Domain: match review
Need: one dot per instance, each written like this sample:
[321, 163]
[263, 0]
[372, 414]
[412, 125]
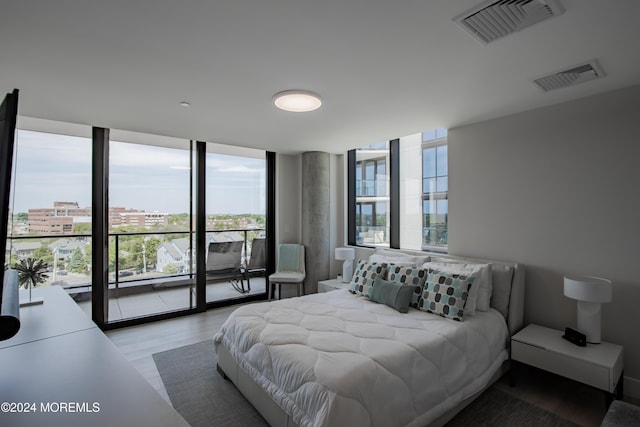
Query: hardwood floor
[139, 343]
[568, 399]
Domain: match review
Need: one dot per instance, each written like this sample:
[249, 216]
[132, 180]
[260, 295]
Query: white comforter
[334, 358]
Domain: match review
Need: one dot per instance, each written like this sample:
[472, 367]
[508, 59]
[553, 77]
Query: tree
[82, 228]
[170, 268]
[135, 249]
[77, 263]
[43, 253]
[151, 246]
[88, 253]
[112, 257]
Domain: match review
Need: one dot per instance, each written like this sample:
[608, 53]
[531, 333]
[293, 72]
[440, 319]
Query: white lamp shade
[343, 254]
[590, 292]
[588, 288]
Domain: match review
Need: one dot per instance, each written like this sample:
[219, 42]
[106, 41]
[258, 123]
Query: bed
[338, 358]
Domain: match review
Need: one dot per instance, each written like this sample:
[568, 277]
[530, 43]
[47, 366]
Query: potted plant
[31, 272]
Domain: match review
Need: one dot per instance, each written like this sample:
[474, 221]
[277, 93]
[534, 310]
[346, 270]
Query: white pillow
[480, 293]
[415, 259]
[396, 260]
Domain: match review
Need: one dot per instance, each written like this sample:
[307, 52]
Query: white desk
[58, 315]
[61, 362]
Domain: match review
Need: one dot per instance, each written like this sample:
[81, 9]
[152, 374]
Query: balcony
[149, 272]
[167, 299]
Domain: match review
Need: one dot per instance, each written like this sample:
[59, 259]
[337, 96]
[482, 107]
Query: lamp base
[347, 270]
[589, 320]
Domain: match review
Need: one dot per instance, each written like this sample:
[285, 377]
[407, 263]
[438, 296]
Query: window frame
[393, 207]
[436, 195]
[100, 141]
[391, 193]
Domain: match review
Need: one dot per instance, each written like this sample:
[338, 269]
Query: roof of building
[225, 236]
[171, 250]
[182, 244]
[25, 246]
[67, 244]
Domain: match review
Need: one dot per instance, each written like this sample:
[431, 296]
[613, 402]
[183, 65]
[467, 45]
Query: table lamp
[590, 292]
[347, 255]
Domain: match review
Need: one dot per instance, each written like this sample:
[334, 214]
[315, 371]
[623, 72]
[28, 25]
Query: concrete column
[316, 221]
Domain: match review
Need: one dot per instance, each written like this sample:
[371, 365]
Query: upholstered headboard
[513, 291]
[508, 279]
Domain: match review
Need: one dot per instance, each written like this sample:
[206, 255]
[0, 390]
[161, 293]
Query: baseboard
[631, 387]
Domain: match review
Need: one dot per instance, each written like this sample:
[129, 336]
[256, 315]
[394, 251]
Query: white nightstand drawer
[566, 366]
[332, 285]
[598, 365]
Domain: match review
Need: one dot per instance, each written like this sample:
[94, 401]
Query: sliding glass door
[150, 214]
[235, 222]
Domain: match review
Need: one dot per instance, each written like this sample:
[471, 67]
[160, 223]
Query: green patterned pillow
[415, 276]
[365, 275]
[445, 294]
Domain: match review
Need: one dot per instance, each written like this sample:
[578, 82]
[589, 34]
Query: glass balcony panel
[150, 227]
[236, 220]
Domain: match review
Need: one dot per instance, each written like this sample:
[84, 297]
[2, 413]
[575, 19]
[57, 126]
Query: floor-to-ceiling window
[150, 215]
[235, 222]
[51, 206]
[144, 191]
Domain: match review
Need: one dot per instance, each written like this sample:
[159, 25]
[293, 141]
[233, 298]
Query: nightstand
[332, 285]
[597, 365]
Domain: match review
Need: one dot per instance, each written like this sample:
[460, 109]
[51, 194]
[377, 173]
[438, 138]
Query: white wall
[557, 189]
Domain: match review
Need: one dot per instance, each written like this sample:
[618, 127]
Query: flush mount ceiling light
[185, 104]
[297, 101]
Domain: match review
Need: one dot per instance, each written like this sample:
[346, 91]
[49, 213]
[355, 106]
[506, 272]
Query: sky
[51, 167]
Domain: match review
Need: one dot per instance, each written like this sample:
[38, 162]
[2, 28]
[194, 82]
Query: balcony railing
[133, 261]
[372, 235]
[371, 188]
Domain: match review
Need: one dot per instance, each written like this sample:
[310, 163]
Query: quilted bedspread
[339, 359]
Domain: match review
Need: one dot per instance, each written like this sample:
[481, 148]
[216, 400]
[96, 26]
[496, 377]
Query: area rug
[497, 408]
[203, 398]
[199, 393]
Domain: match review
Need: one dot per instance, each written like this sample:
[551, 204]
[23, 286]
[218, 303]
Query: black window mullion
[100, 227]
[351, 197]
[201, 226]
[394, 194]
[271, 213]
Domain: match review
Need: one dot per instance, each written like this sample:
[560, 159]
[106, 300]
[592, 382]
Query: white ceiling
[384, 69]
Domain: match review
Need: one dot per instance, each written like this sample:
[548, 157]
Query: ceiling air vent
[571, 76]
[495, 19]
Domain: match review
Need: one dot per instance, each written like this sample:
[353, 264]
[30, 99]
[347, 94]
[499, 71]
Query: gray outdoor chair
[224, 262]
[257, 261]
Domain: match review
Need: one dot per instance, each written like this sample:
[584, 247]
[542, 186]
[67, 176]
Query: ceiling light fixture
[185, 104]
[297, 101]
